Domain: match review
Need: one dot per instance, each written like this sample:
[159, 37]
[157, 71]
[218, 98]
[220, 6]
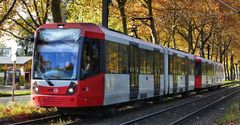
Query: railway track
[215, 99]
[53, 119]
[66, 117]
[39, 120]
[179, 121]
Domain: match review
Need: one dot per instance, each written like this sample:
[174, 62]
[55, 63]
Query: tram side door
[134, 71]
[187, 70]
[157, 59]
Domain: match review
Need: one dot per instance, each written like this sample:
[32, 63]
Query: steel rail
[38, 120]
[204, 108]
[172, 107]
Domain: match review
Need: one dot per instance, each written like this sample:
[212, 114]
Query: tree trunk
[232, 67]
[216, 56]
[212, 48]
[227, 69]
[202, 52]
[236, 71]
[208, 49]
[190, 39]
[26, 51]
[56, 11]
[152, 24]
[220, 55]
[121, 5]
[174, 25]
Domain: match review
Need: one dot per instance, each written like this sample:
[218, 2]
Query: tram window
[149, 59]
[157, 64]
[176, 65]
[112, 57]
[161, 63]
[123, 58]
[170, 64]
[117, 58]
[198, 68]
[183, 62]
[191, 68]
[179, 65]
[90, 57]
[203, 68]
[212, 67]
[143, 61]
[146, 61]
[207, 69]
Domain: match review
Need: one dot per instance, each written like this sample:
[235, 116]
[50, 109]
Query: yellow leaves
[85, 11]
[4, 67]
[28, 66]
[23, 110]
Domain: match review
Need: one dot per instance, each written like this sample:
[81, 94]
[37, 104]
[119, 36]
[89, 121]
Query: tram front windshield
[55, 54]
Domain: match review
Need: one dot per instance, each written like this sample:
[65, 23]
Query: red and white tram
[85, 65]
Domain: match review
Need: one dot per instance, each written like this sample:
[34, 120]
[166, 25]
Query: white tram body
[125, 68]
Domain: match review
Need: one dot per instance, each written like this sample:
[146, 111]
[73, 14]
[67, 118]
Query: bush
[22, 80]
[1, 80]
[231, 115]
[16, 93]
[20, 111]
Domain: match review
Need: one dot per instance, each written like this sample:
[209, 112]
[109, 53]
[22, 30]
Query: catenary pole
[105, 11]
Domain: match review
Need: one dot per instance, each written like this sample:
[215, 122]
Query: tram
[80, 65]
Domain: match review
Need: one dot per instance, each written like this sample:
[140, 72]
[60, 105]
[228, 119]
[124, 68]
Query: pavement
[5, 100]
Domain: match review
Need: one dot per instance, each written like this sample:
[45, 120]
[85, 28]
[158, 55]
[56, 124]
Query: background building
[24, 65]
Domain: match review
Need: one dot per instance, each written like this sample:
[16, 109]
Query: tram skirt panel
[181, 83]
[204, 81]
[191, 81]
[170, 82]
[117, 88]
[162, 84]
[146, 86]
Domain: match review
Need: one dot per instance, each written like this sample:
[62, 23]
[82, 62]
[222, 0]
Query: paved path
[5, 100]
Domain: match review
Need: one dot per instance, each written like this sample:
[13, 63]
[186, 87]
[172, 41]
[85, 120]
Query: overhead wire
[230, 7]
[191, 14]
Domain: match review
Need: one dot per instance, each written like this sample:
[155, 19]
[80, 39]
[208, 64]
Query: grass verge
[16, 93]
[21, 111]
[231, 115]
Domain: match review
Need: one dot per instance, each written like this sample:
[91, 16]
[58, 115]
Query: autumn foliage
[208, 28]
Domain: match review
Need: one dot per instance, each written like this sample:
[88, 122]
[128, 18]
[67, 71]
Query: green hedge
[2, 81]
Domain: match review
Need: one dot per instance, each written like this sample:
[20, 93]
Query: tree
[85, 11]
[56, 11]
[26, 45]
[24, 23]
[2, 45]
[151, 26]
[121, 7]
[8, 12]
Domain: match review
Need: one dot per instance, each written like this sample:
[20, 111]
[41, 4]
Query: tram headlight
[72, 88]
[36, 90]
[35, 87]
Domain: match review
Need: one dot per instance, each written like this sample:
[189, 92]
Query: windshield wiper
[44, 77]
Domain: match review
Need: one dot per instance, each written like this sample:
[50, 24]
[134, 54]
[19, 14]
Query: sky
[10, 42]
